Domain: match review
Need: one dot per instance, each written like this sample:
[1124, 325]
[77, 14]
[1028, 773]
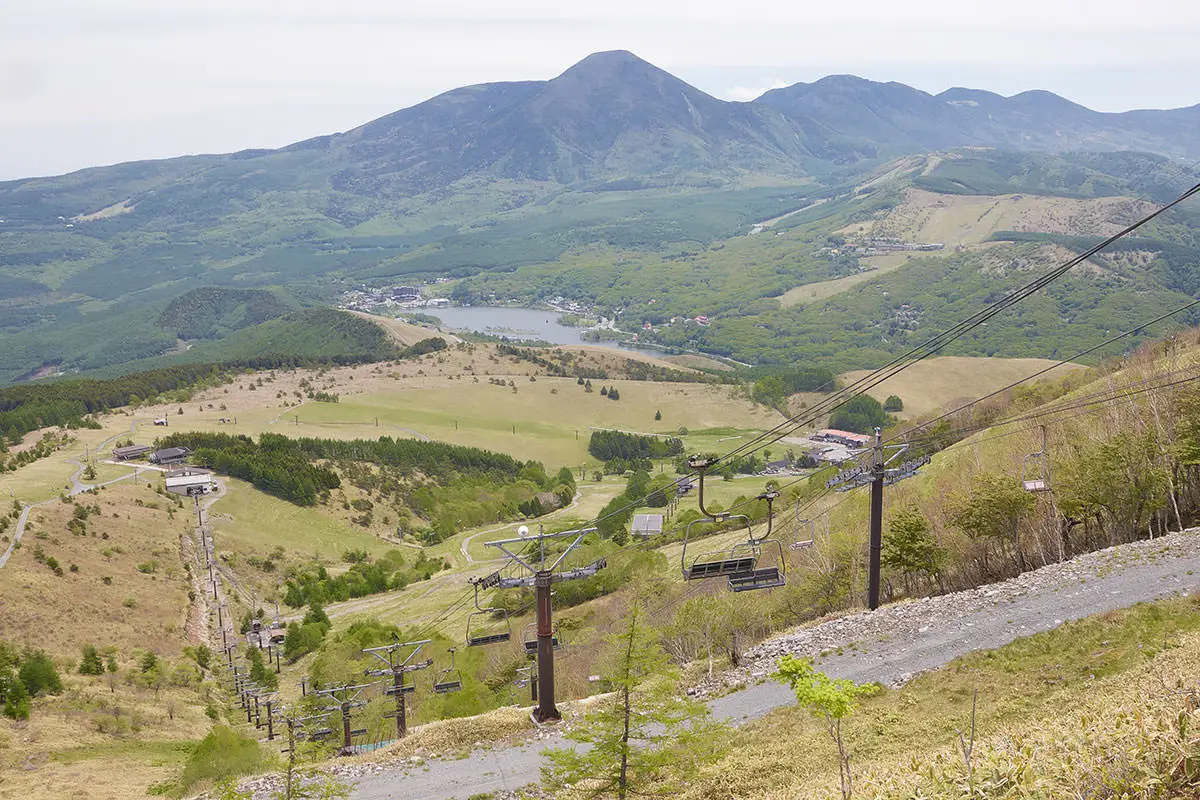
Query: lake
[519, 323]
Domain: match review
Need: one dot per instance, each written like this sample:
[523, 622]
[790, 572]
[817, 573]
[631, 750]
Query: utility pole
[541, 575]
[397, 669]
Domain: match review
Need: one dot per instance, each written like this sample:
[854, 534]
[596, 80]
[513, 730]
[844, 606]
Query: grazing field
[549, 420]
[249, 522]
[940, 382]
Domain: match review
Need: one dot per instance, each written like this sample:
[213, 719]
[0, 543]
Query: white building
[190, 481]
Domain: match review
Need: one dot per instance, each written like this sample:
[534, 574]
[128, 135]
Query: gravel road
[892, 645]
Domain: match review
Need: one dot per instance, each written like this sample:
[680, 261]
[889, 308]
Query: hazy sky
[88, 82]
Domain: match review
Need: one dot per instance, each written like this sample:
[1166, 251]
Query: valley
[266, 418]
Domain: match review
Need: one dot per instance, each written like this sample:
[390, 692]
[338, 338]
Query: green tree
[39, 674]
[993, 510]
[863, 414]
[16, 700]
[90, 663]
[317, 614]
[643, 727]
[828, 699]
[658, 416]
[910, 548]
[148, 662]
[258, 670]
[893, 403]
[1122, 478]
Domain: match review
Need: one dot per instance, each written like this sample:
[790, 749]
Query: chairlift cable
[938, 342]
[1114, 395]
[1044, 370]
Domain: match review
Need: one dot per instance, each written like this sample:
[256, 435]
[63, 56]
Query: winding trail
[77, 487]
[900, 641]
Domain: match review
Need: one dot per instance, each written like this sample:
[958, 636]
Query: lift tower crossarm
[503, 544]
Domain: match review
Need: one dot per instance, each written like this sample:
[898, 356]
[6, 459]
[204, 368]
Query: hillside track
[890, 646]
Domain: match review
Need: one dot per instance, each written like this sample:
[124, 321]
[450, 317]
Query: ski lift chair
[476, 637]
[740, 558]
[1035, 469]
[758, 577]
[448, 680]
[806, 534]
[529, 638]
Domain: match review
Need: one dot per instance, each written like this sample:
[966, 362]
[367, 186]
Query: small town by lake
[519, 323]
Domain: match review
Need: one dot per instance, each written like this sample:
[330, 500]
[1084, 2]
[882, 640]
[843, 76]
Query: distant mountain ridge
[612, 116]
[899, 115]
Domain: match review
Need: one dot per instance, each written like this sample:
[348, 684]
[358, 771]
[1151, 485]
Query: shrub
[222, 754]
[16, 701]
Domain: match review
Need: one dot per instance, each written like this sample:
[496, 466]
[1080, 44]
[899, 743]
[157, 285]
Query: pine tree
[643, 727]
[90, 663]
[316, 614]
[39, 675]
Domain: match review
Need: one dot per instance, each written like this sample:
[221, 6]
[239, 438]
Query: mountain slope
[611, 114]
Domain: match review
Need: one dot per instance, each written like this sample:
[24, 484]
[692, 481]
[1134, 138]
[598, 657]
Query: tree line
[609, 445]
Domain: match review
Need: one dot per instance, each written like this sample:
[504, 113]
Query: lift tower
[397, 667]
[541, 572]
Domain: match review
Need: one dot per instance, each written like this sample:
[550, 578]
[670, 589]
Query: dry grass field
[970, 219]
[942, 382]
[821, 290]
[133, 542]
[100, 741]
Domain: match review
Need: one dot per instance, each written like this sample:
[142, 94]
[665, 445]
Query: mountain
[614, 158]
[610, 115]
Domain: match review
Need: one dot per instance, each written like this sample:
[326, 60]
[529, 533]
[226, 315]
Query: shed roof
[647, 523]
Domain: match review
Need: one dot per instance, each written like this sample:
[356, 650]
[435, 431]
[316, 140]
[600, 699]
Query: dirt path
[892, 645]
[77, 488]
